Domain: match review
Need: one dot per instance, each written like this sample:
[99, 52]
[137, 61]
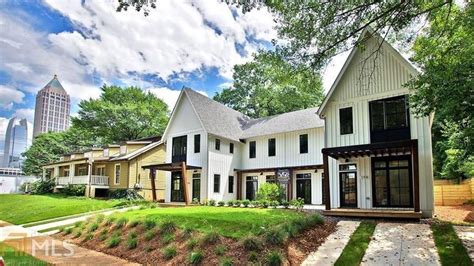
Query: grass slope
[15, 257]
[358, 243]
[227, 221]
[20, 209]
[450, 248]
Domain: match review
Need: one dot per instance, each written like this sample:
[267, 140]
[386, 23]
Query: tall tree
[269, 85]
[122, 114]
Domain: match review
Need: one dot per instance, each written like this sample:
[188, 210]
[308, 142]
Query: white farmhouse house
[378, 155]
[222, 154]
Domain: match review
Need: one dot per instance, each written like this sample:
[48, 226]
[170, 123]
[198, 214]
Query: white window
[123, 149]
[117, 174]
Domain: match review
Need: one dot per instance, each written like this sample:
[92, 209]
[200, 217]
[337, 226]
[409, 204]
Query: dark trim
[351, 130]
[341, 198]
[373, 149]
[170, 167]
[399, 133]
[294, 168]
[416, 175]
[326, 181]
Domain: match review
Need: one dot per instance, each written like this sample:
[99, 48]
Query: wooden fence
[449, 193]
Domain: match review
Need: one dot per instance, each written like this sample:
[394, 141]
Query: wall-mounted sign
[283, 174]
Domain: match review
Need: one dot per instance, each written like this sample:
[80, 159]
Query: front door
[251, 187]
[177, 190]
[303, 187]
[197, 186]
[392, 182]
[348, 185]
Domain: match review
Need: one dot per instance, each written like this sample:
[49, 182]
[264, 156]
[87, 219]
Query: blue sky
[192, 43]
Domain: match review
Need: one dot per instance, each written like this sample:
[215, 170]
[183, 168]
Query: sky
[87, 44]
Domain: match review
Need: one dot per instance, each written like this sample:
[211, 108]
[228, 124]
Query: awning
[172, 167]
[374, 149]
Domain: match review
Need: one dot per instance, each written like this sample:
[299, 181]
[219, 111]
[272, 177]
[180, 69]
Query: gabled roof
[287, 122]
[374, 34]
[54, 86]
[137, 152]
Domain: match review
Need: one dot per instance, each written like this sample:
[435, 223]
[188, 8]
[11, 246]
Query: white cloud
[27, 113]
[9, 96]
[169, 96]
[3, 130]
[225, 85]
[333, 69]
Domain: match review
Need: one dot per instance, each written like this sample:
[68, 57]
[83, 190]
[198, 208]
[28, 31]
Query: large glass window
[231, 147]
[345, 121]
[197, 143]
[252, 149]
[389, 119]
[218, 144]
[392, 182]
[271, 147]
[251, 187]
[304, 143]
[231, 184]
[303, 187]
[217, 183]
[117, 174]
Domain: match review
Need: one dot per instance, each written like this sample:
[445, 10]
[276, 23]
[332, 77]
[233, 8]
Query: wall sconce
[261, 173]
[316, 170]
[347, 160]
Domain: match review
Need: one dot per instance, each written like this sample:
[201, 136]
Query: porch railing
[83, 180]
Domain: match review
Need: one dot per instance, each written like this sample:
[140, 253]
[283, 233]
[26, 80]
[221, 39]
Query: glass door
[177, 194]
[348, 185]
[251, 187]
[392, 182]
[197, 186]
[303, 187]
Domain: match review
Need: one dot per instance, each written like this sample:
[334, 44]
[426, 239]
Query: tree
[446, 87]
[122, 114]
[269, 85]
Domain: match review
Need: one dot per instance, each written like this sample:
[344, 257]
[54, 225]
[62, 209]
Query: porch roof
[171, 167]
[374, 149]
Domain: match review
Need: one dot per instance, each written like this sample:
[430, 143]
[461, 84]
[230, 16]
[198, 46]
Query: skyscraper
[52, 108]
[16, 142]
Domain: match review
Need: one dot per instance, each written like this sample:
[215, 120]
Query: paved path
[401, 244]
[466, 234]
[332, 248]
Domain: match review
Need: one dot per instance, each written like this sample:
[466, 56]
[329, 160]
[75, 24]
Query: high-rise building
[52, 108]
[16, 143]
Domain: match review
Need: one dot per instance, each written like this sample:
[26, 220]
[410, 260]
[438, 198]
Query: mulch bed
[455, 214]
[295, 250]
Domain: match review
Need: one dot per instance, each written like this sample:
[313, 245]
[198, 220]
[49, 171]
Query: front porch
[95, 180]
[378, 180]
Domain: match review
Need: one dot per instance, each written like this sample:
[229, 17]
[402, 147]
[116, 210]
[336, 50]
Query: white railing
[83, 180]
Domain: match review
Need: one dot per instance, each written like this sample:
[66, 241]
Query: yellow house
[111, 167]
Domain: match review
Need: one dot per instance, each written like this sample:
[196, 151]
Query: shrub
[78, 224]
[212, 202]
[297, 203]
[133, 223]
[255, 203]
[253, 256]
[220, 203]
[89, 236]
[252, 243]
[167, 238]
[315, 219]
[270, 192]
[67, 230]
[226, 261]
[42, 186]
[274, 203]
[77, 233]
[74, 190]
[220, 250]
[132, 241]
[103, 235]
[291, 229]
[195, 257]
[149, 224]
[113, 241]
[169, 252]
[285, 204]
[275, 236]
[121, 222]
[274, 258]
[195, 201]
[187, 232]
[109, 220]
[128, 194]
[264, 203]
[92, 227]
[192, 243]
[99, 218]
[149, 235]
[237, 203]
[210, 238]
[167, 226]
[246, 203]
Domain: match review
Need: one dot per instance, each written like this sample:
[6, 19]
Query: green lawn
[20, 209]
[228, 221]
[14, 257]
[450, 248]
[358, 243]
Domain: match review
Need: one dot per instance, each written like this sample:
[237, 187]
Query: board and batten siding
[287, 150]
[356, 88]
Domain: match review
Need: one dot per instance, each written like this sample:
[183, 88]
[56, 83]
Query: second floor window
[271, 147]
[252, 149]
[304, 143]
[389, 119]
[345, 121]
[217, 183]
[218, 144]
[231, 184]
[231, 147]
[197, 143]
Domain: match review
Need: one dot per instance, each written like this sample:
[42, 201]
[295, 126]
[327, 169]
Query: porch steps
[374, 213]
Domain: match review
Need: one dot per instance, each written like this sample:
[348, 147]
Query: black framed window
[252, 149]
[231, 184]
[392, 184]
[218, 144]
[217, 183]
[389, 119]
[346, 121]
[271, 147]
[231, 147]
[304, 143]
[197, 143]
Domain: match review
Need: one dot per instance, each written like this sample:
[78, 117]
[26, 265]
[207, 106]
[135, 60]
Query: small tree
[270, 192]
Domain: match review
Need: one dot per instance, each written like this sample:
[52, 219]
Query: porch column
[152, 180]
[56, 171]
[71, 172]
[416, 175]
[239, 185]
[290, 184]
[44, 173]
[326, 182]
[185, 180]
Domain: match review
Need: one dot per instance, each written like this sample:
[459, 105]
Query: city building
[16, 143]
[52, 108]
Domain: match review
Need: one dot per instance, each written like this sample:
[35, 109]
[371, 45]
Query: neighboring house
[222, 154]
[378, 154]
[110, 168]
[11, 180]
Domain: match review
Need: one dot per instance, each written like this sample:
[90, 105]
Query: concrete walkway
[466, 234]
[331, 249]
[401, 244]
